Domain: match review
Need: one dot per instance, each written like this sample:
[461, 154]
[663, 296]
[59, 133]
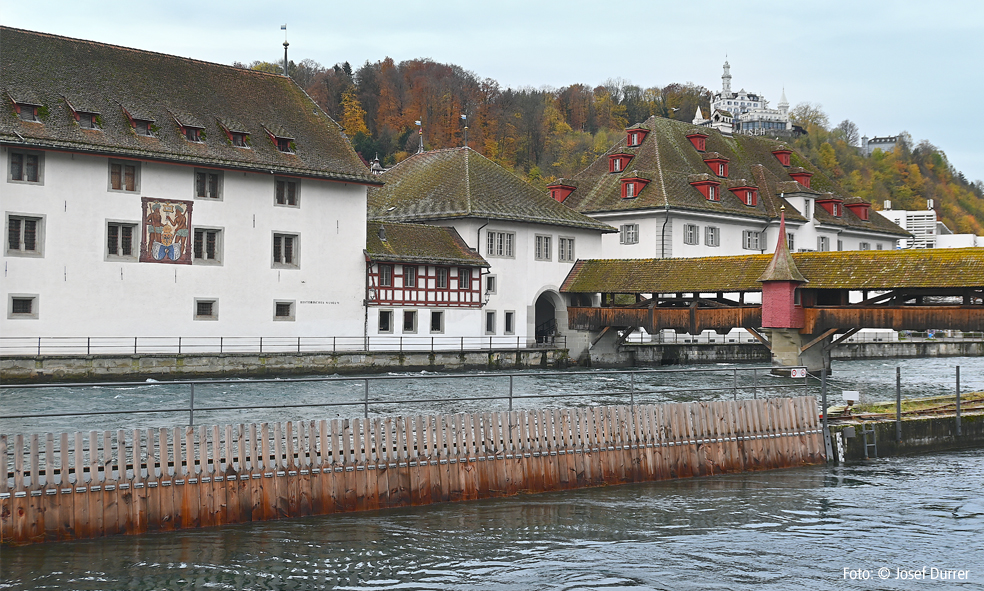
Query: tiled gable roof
[108, 80]
[749, 157]
[459, 183]
[393, 242]
[869, 269]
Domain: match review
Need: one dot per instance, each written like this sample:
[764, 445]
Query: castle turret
[726, 80]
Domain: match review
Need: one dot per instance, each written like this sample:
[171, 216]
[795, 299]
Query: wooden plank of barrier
[359, 463]
[254, 447]
[403, 454]
[420, 494]
[320, 499]
[482, 473]
[351, 464]
[470, 473]
[111, 490]
[20, 493]
[35, 511]
[212, 489]
[512, 456]
[49, 490]
[382, 462]
[569, 423]
[153, 481]
[244, 478]
[6, 505]
[337, 485]
[276, 467]
[582, 458]
[289, 484]
[444, 447]
[188, 490]
[66, 512]
[437, 491]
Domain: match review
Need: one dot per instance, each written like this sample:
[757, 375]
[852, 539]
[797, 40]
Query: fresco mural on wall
[166, 235]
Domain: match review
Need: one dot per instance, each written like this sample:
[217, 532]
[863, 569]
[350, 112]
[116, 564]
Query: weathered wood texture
[691, 320]
[88, 485]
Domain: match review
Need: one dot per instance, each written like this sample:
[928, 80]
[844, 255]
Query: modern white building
[922, 225]
[152, 195]
[674, 190]
[528, 240]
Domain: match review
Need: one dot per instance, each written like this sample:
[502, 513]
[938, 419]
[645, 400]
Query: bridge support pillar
[787, 350]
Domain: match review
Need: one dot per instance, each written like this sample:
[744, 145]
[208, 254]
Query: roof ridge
[468, 200]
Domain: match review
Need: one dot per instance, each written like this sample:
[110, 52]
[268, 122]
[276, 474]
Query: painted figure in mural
[153, 225]
[180, 222]
[167, 232]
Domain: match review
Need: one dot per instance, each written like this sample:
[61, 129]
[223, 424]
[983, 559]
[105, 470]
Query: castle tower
[726, 80]
[783, 103]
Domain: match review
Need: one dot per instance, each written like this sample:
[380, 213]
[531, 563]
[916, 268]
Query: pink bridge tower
[781, 307]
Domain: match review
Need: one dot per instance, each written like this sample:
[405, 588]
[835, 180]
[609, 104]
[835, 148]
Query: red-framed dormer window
[860, 209]
[718, 166]
[559, 191]
[618, 162]
[632, 187]
[699, 140]
[747, 195]
[782, 155]
[802, 177]
[711, 190]
[834, 207]
[635, 136]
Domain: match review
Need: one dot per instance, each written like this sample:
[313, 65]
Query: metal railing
[736, 337]
[628, 393]
[30, 346]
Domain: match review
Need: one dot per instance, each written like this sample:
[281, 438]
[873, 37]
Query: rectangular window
[124, 176]
[193, 134]
[239, 140]
[808, 206]
[285, 250]
[437, 321]
[616, 164]
[628, 234]
[410, 321]
[283, 310]
[441, 278]
[864, 246]
[464, 278]
[26, 167]
[283, 144]
[500, 244]
[287, 192]
[385, 275]
[119, 240]
[208, 184]
[144, 127]
[510, 320]
[790, 242]
[25, 235]
[386, 321]
[208, 245]
[629, 190]
[691, 234]
[88, 120]
[712, 236]
[542, 248]
[206, 309]
[878, 246]
[823, 243]
[20, 305]
[712, 193]
[27, 112]
[490, 284]
[409, 276]
[840, 245]
[489, 322]
[565, 250]
[750, 240]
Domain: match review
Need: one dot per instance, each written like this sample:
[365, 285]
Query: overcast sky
[888, 66]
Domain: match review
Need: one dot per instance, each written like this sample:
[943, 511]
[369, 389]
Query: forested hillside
[547, 133]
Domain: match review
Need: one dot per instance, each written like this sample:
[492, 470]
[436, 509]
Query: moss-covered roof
[119, 83]
[460, 183]
[749, 157]
[393, 242]
[856, 270]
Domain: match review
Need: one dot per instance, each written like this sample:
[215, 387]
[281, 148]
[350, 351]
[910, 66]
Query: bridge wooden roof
[855, 270]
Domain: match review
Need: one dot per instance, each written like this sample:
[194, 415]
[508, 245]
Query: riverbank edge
[919, 435]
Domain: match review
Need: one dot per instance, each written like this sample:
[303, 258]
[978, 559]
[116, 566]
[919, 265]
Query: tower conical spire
[782, 267]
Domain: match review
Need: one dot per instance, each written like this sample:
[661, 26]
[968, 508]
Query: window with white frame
[490, 284]
[500, 244]
[206, 309]
[510, 322]
[286, 251]
[630, 190]
[808, 209]
[464, 278]
[283, 310]
[207, 246]
[751, 240]
[790, 242]
[712, 193]
[691, 234]
[385, 275]
[823, 243]
[712, 236]
[437, 321]
[22, 306]
[124, 176]
[565, 250]
[840, 245]
[409, 276]
[26, 167]
[864, 246]
[120, 241]
[489, 322]
[409, 321]
[542, 251]
[386, 321]
[628, 234]
[25, 235]
[287, 192]
[441, 277]
[208, 184]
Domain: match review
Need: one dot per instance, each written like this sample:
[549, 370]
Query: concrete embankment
[919, 435]
[68, 368]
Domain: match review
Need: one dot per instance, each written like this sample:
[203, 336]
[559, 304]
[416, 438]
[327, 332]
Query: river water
[784, 529]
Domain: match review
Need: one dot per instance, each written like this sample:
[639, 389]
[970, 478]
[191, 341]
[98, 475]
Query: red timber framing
[446, 286]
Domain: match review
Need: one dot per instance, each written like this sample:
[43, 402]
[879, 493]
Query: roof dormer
[708, 186]
[717, 163]
[618, 161]
[281, 139]
[236, 133]
[87, 117]
[745, 193]
[859, 207]
[142, 123]
[27, 112]
[635, 135]
[633, 184]
[801, 176]
[26, 104]
[698, 138]
[782, 154]
[561, 189]
[192, 129]
[833, 204]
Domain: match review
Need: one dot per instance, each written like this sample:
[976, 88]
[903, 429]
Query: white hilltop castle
[744, 112]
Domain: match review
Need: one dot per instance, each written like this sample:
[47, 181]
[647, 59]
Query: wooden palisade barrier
[88, 485]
